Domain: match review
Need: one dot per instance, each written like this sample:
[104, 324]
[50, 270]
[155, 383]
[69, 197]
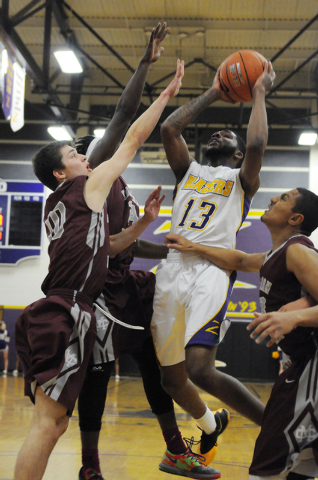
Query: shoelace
[189, 443]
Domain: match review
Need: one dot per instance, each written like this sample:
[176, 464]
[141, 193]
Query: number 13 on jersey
[197, 214]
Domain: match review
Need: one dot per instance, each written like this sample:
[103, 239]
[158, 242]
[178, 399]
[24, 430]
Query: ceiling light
[200, 33]
[59, 133]
[99, 132]
[68, 61]
[307, 138]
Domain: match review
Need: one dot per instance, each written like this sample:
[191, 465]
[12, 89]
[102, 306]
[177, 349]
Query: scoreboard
[21, 214]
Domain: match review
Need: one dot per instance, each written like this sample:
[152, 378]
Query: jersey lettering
[199, 219]
[265, 285]
[262, 301]
[205, 216]
[55, 222]
[217, 186]
[189, 205]
[133, 217]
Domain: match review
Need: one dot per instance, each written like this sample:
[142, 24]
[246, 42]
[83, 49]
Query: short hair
[307, 205]
[46, 160]
[82, 143]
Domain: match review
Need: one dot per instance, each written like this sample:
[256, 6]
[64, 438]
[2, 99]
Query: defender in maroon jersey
[287, 446]
[55, 335]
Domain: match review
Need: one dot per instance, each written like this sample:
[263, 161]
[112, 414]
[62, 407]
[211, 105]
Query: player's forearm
[144, 125]
[222, 257]
[184, 115]
[122, 240]
[146, 249]
[130, 99]
[307, 317]
[257, 130]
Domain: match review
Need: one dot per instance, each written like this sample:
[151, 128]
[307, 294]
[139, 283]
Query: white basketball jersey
[210, 205]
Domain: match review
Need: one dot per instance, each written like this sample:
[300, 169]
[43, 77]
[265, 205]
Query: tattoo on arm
[183, 116]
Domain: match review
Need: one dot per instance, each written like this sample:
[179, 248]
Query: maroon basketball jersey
[279, 287]
[123, 211]
[79, 241]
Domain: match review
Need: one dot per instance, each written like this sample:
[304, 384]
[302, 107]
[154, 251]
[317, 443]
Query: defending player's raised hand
[173, 88]
[274, 324]
[153, 204]
[266, 80]
[154, 49]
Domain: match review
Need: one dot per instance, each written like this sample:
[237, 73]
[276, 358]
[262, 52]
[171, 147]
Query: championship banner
[17, 107]
[7, 68]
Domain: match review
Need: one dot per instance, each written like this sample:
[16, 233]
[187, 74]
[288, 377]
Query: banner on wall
[12, 85]
[17, 106]
[7, 74]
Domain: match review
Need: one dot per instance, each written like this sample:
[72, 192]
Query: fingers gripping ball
[239, 72]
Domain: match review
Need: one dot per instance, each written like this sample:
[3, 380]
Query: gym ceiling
[110, 37]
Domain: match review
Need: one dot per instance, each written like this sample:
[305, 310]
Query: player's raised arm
[257, 133]
[222, 257]
[129, 101]
[101, 179]
[122, 240]
[171, 130]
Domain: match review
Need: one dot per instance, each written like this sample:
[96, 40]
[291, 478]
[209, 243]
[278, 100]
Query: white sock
[207, 423]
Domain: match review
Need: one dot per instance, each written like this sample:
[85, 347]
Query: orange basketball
[239, 72]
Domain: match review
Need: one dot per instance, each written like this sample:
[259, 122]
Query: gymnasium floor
[131, 443]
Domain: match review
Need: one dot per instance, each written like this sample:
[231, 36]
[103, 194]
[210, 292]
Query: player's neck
[222, 161]
[280, 236]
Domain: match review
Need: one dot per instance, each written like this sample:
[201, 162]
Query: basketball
[239, 72]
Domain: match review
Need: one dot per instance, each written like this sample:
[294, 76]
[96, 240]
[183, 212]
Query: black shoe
[298, 476]
[208, 445]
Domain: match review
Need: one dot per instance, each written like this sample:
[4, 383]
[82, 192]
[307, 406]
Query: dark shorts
[54, 341]
[290, 422]
[128, 295]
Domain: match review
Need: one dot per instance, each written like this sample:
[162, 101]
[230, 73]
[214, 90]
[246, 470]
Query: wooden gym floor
[131, 443]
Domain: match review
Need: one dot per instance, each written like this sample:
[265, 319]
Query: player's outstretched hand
[175, 85]
[267, 78]
[154, 49]
[178, 242]
[274, 324]
[153, 204]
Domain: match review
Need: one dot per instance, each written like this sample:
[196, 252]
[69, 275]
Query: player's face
[222, 144]
[75, 163]
[280, 208]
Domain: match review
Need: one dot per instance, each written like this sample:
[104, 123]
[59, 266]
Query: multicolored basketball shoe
[208, 445]
[89, 474]
[187, 464]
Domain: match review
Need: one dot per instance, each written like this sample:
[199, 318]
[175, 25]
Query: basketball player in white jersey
[210, 204]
